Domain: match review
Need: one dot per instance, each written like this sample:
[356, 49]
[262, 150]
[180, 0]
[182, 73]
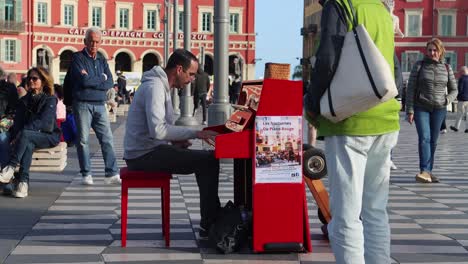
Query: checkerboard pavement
[429, 221]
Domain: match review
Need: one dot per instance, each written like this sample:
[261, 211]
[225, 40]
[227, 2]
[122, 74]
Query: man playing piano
[153, 143]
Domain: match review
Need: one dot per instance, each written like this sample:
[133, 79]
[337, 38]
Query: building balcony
[8, 26]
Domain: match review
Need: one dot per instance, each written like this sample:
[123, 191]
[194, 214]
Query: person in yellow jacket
[358, 148]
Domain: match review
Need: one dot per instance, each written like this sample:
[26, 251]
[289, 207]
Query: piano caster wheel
[314, 163]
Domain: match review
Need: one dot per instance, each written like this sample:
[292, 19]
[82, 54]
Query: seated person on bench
[35, 126]
[153, 143]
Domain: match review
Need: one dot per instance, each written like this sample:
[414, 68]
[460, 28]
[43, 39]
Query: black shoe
[466, 130]
[203, 233]
[454, 128]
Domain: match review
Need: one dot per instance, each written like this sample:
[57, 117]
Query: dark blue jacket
[463, 88]
[36, 113]
[90, 87]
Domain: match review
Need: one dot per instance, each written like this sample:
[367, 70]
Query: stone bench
[50, 159]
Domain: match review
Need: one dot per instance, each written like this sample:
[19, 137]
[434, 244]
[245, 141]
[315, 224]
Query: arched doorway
[43, 58]
[149, 61]
[123, 62]
[65, 60]
[209, 64]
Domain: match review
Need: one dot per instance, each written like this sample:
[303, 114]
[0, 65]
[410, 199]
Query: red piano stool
[143, 179]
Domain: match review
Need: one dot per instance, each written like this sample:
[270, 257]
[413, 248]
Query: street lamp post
[174, 95]
[186, 118]
[220, 110]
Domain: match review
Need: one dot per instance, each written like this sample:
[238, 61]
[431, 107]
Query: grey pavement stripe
[130, 230]
[56, 250]
[156, 243]
[141, 221]
[448, 231]
[68, 238]
[442, 221]
[81, 208]
[150, 257]
[417, 205]
[70, 226]
[432, 237]
[427, 249]
[427, 212]
[84, 217]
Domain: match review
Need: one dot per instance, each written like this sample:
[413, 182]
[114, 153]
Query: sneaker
[87, 180]
[443, 131]
[434, 179]
[113, 179]
[454, 128]
[7, 174]
[393, 166]
[204, 123]
[423, 177]
[21, 190]
[466, 130]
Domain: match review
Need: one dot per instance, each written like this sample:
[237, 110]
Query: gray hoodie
[150, 120]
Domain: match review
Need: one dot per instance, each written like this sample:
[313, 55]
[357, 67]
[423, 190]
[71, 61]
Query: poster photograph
[278, 149]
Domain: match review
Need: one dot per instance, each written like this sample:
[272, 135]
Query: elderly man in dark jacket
[462, 106]
[91, 80]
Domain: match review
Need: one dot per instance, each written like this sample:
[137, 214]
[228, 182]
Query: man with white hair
[91, 79]
[462, 106]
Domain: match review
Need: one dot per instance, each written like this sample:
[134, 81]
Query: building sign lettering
[134, 34]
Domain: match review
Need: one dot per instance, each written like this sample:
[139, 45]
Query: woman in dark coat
[35, 126]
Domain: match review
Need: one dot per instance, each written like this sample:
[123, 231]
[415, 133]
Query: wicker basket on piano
[280, 71]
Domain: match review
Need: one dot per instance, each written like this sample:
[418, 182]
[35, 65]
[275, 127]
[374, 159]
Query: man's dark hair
[181, 57]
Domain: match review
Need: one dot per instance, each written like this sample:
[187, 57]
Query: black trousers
[176, 160]
[199, 98]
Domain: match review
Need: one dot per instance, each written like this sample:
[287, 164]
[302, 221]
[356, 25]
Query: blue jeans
[4, 148]
[428, 127]
[359, 175]
[27, 141]
[94, 115]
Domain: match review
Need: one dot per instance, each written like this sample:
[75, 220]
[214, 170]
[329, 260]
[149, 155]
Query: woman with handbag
[35, 126]
[426, 103]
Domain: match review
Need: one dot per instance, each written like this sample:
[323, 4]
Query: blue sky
[278, 24]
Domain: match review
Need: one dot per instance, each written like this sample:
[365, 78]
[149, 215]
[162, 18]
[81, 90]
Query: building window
[451, 59]
[68, 15]
[123, 17]
[96, 20]
[206, 22]
[9, 10]
[42, 13]
[151, 19]
[413, 25]
[151, 16]
[181, 21]
[447, 22]
[234, 23]
[10, 48]
[409, 58]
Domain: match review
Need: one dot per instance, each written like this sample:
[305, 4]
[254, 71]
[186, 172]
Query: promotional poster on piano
[278, 149]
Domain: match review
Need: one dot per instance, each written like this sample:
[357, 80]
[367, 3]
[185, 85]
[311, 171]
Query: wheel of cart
[314, 169]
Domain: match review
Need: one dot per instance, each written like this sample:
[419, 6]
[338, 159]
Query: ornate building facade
[47, 32]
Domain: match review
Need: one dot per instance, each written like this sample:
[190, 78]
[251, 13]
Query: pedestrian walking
[358, 148]
[462, 106]
[201, 84]
[426, 104]
[91, 79]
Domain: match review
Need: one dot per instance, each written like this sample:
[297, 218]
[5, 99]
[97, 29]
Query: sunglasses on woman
[34, 78]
